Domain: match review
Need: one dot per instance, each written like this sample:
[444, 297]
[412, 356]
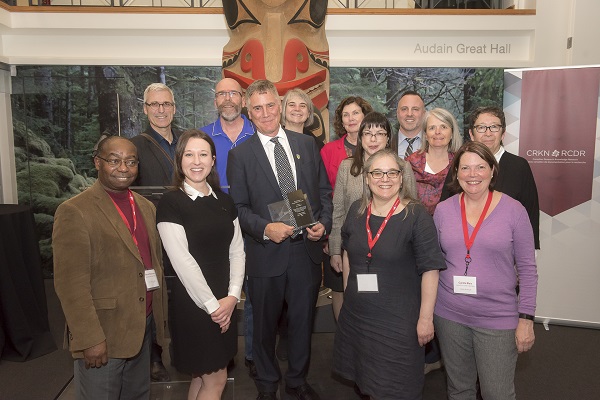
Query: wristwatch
[526, 316]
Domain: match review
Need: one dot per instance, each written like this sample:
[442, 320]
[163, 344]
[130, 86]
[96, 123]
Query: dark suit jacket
[154, 165]
[516, 180]
[253, 186]
[99, 274]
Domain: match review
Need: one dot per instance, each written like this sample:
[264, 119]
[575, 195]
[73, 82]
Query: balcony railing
[332, 4]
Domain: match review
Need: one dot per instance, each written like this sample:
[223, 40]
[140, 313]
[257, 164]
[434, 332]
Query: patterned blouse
[429, 186]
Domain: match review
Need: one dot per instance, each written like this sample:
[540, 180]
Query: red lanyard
[370, 238]
[469, 241]
[132, 205]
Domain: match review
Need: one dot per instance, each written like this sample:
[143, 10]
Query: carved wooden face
[280, 40]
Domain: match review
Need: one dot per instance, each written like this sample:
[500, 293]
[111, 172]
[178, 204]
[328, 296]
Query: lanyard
[132, 205]
[371, 241]
[469, 241]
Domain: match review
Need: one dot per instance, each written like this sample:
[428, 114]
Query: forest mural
[59, 112]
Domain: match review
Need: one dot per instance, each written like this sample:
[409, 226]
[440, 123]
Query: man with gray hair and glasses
[156, 153]
[156, 146]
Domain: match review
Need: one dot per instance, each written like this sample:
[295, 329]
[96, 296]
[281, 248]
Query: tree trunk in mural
[162, 76]
[106, 83]
[117, 105]
[44, 81]
[43, 105]
[68, 132]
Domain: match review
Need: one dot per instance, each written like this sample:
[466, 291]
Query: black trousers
[299, 287]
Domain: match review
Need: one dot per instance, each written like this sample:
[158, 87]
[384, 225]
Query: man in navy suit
[281, 264]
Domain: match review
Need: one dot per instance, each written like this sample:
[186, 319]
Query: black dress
[199, 347]
[376, 342]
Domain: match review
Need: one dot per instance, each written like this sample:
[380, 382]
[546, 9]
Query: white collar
[499, 153]
[194, 194]
[264, 139]
[402, 136]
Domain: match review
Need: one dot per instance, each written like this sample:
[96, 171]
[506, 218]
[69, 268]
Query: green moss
[44, 224]
[47, 179]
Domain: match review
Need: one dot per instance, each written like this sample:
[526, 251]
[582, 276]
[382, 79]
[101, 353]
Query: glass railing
[332, 4]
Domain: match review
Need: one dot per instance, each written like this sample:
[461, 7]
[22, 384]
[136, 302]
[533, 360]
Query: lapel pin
[298, 156]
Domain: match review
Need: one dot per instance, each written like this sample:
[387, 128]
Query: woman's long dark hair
[178, 176]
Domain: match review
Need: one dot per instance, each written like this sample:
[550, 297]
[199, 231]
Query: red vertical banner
[559, 110]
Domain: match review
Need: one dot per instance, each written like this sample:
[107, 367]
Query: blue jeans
[248, 321]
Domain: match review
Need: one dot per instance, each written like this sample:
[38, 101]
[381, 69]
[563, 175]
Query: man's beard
[229, 115]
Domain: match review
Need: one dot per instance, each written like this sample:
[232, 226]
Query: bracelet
[526, 316]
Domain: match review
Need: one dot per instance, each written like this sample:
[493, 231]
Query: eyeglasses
[155, 105]
[117, 162]
[492, 128]
[392, 174]
[231, 93]
[376, 135]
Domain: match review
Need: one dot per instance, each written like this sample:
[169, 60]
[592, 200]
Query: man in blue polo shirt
[232, 127]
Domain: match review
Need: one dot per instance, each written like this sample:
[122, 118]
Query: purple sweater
[504, 242]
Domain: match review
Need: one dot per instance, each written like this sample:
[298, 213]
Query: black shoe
[251, 369]
[158, 372]
[281, 351]
[266, 395]
[302, 392]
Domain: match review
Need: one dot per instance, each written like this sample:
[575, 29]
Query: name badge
[465, 284]
[367, 283]
[151, 280]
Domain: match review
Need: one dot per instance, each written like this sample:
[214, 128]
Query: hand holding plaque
[294, 211]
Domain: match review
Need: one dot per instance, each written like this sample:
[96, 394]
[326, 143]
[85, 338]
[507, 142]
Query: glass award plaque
[294, 211]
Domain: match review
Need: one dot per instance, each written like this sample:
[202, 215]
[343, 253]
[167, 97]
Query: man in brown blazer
[108, 275]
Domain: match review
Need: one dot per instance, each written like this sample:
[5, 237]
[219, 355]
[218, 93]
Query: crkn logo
[556, 153]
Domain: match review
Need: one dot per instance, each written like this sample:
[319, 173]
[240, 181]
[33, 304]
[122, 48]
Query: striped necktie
[284, 175]
[409, 149]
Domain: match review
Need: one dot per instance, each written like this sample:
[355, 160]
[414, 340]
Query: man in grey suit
[281, 263]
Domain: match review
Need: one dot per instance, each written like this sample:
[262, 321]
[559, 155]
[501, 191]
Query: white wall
[360, 40]
[354, 40]
[586, 32]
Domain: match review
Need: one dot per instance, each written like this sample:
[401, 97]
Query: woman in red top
[347, 119]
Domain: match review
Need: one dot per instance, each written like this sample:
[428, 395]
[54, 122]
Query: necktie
[284, 174]
[284, 170]
[409, 149]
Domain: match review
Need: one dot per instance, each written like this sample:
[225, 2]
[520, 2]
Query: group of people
[388, 210]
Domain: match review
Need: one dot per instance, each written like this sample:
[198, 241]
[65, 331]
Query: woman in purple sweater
[487, 240]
